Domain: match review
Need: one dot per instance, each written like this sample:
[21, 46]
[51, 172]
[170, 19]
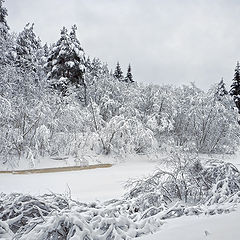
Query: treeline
[54, 100]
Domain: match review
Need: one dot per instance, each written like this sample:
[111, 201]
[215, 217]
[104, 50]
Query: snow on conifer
[66, 62]
[235, 87]
[118, 74]
[28, 49]
[3, 22]
[129, 76]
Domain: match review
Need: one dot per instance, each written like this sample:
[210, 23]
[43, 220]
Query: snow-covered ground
[62, 161]
[217, 227]
[108, 183]
[85, 185]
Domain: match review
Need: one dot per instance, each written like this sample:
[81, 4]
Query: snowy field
[217, 227]
[105, 184]
[85, 185]
[88, 185]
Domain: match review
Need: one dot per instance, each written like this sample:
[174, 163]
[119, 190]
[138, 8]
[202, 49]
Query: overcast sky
[171, 41]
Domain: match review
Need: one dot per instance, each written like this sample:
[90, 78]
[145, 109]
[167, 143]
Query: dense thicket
[56, 101]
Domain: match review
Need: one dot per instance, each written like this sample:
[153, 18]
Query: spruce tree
[88, 64]
[129, 77]
[235, 87]
[3, 22]
[66, 62]
[96, 67]
[27, 49]
[77, 69]
[118, 74]
[6, 43]
[46, 50]
[221, 90]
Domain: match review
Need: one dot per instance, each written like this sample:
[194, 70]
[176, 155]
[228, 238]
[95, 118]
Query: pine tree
[6, 42]
[27, 49]
[66, 62]
[46, 50]
[105, 70]
[118, 74]
[96, 67]
[221, 90]
[235, 87]
[129, 77]
[78, 58]
[3, 22]
[88, 64]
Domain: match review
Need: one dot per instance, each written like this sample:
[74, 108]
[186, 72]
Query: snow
[217, 227]
[105, 184]
[70, 64]
[62, 52]
[54, 68]
[60, 161]
[85, 185]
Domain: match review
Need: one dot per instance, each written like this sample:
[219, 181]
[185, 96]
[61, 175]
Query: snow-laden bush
[18, 209]
[55, 217]
[189, 182]
[192, 189]
[56, 102]
[129, 135]
[116, 118]
[205, 121]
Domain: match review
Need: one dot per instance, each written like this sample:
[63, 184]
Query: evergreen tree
[96, 67]
[78, 58]
[3, 22]
[5, 39]
[28, 49]
[105, 70]
[235, 87]
[45, 50]
[221, 90]
[118, 74]
[129, 77]
[88, 64]
[66, 62]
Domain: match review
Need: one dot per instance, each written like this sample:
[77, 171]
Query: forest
[57, 101]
